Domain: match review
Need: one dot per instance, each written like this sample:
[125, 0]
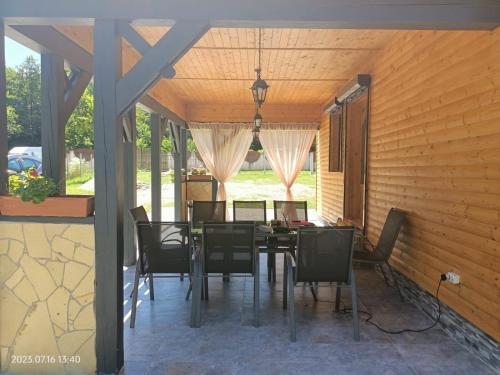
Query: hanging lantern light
[259, 87]
[257, 122]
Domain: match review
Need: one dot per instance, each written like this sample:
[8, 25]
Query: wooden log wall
[434, 151]
[330, 185]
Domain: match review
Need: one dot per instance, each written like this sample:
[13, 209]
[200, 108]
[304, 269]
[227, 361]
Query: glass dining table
[281, 240]
[278, 240]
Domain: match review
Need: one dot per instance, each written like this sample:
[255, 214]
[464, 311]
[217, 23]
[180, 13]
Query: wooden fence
[79, 162]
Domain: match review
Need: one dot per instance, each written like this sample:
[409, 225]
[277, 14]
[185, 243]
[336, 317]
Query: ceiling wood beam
[74, 91]
[138, 42]
[42, 38]
[156, 61]
[393, 14]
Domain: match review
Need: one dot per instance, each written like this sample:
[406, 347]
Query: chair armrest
[366, 244]
[291, 266]
[290, 260]
[196, 253]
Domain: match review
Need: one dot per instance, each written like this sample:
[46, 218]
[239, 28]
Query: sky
[15, 53]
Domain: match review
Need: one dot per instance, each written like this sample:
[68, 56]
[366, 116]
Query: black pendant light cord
[348, 310]
[259, 47]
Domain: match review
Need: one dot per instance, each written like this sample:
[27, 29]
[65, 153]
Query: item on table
[276, 223]
[344, 222]
[302, 223]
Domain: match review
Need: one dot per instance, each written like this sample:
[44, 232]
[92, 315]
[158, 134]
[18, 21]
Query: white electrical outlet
[453, 278]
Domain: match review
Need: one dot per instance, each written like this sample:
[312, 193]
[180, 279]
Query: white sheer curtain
[286, 147]
[223, 148]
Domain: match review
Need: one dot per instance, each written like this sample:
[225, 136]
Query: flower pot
[65, 206]
[201, 177]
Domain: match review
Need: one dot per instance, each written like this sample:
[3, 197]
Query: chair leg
[338, 296]
[182, 277]
[354, 296]
[396, 284]
[151, 287]
[380, 265]
[256, 293]
[273, 268]
[313, 292]
[269, 268]
[285, 283]
[205, 288]
[135, 292]
[196, 300]
[190, 289]
[291, 302]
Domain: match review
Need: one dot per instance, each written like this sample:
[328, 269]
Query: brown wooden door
[355, 155]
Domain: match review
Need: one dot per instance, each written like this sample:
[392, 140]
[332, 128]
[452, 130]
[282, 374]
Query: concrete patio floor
[163, 343]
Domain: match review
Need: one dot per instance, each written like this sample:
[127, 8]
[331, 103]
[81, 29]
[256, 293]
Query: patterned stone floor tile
[163, 343]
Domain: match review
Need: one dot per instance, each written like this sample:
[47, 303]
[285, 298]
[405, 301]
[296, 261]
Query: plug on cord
[451, 277]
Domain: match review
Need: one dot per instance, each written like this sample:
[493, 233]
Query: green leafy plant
[32, 187]
[198, 171]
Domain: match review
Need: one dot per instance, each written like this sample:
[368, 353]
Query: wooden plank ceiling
[304, 67]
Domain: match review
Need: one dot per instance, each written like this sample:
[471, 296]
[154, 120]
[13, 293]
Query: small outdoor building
[405, 96]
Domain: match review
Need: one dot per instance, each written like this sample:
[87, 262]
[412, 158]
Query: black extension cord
[347, 310]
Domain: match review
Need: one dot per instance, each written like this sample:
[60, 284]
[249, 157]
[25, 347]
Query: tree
[143, 124]
[191, 146]
[14, 128]
[80, 126]
[23, 94]
[166, 144]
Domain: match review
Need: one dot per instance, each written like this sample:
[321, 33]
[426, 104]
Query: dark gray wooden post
[4, 147]
[108, 142]
[183, 148]
[177, 173]
[53, 122]
[130, 187]
[156, 136]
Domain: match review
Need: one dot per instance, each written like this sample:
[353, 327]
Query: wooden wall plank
[434, 151]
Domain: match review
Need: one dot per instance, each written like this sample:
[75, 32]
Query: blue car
[19, 163]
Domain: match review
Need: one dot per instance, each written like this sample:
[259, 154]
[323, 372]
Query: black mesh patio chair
[227, 248]
[253, 211]
[290, 211]
[286, 211]
[164, 248]
[380, 254]
[324, 255]
[250, 211]
[207, 212]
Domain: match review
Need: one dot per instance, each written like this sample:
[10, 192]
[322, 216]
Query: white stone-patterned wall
[47, 319]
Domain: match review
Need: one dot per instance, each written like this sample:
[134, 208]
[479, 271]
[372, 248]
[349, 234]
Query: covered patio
[402, 103]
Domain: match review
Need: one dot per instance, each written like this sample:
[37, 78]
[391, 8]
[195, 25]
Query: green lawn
[144, 177]
[73, 185]
[270, 178]
[265, 185]
[246, 185]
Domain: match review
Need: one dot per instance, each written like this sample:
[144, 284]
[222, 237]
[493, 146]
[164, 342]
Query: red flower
[33, 173]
